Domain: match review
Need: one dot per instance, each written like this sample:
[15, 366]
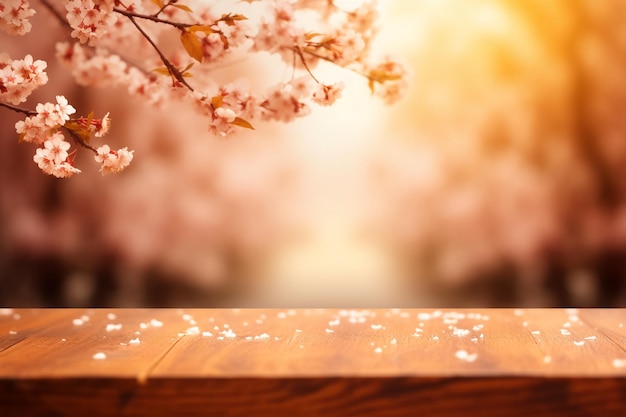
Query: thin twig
[153, 18]
[299, 52]
[80, 140]
[170, 67]
[54, 12]
[161, 9]
[322, 57]
[18, 109]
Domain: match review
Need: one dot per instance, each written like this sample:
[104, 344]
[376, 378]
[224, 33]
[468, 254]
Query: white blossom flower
[14, 16]
[32, 130]
[64, 170]
[326, 95]
[43, 160]
[49, 115]
[57, 148]
[64, 109]
[113, 161]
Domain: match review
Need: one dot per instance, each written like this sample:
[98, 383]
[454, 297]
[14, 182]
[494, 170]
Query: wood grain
[572, 344]
[312, 397]
[61, 347]
[607, 323]
[313, 362]
[16, 326]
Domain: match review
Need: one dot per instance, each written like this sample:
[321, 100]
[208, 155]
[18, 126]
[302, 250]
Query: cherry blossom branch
[80, 140]
[58, 16]
[327, 59]
[170, 67]
[96, 26]
[153, 18]
[298, 51]
[161, 9]
[18, 109]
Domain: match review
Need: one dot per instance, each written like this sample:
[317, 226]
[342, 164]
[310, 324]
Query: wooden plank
[316, 397]
[609, 322]
[571, 345]
[387, 342]
[17, 325]
[315, 362]
[66, 347]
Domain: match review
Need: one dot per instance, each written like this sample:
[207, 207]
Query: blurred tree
[190, 219]
[509, 188]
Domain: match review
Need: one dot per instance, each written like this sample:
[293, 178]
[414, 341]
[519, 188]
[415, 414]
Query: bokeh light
[499, 180]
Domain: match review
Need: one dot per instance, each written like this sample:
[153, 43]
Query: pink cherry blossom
[14, 16]
[90, 19]
[113, 161]
[63, 108]
[49, 115]
[19, 78]
[101, 126]
[32, 129]
[43, 160]
[132, 45]
[64, 170]
[326, 95]
[57, 148]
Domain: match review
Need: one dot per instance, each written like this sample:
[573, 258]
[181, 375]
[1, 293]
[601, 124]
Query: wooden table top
[313, 362]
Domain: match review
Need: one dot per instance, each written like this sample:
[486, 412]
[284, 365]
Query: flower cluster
[389, 80]
[53, 158]
[326, 95]
[89, 18]
[130, 44]
[20, 77]
[48, 116]
[209, 36]
[113, 161]
[14, 16]
[44, 128]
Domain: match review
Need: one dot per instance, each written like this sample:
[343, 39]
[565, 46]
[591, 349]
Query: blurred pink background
[499, 181]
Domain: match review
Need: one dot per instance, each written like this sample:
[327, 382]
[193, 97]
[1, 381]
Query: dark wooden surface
[307, 362]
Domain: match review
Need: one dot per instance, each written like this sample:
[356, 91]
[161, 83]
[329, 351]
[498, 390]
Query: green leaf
[242, 123]
[159, 3]
[192, 45]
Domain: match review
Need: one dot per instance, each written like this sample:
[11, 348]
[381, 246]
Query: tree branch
[324, 58]
[80, 140]
[170, 67]
[153, 18]
[18, 109]
[299, 52]
[58, 16]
